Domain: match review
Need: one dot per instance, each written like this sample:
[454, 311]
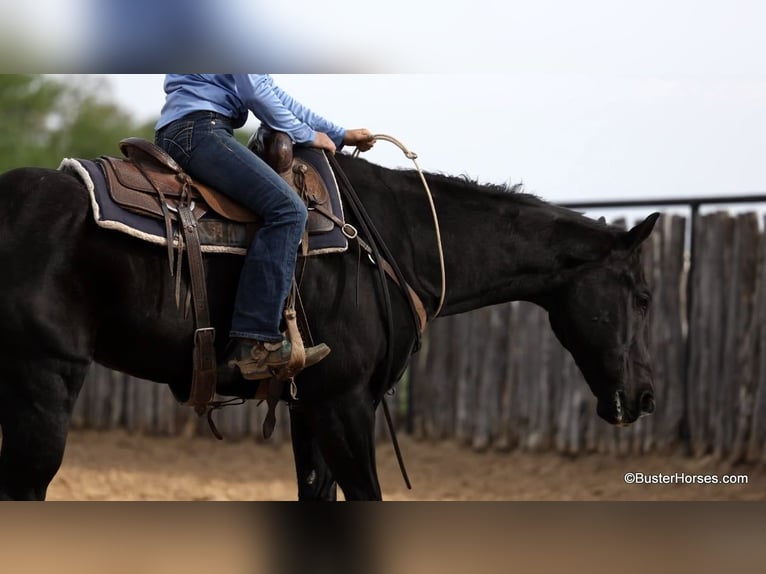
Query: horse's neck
[507, 248]
[498, 247]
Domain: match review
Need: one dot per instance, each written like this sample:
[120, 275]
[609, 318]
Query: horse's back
[41, 194]
[42, 214]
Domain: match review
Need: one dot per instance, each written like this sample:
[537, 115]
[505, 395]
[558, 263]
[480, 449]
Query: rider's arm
[279, 111]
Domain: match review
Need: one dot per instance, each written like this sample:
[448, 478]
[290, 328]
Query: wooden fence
[527, 393]
[112, 400]
[497, 378]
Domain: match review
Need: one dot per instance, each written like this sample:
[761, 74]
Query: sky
[565, 136]
[595, 99]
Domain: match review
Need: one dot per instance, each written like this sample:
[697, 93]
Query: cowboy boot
[257, 360]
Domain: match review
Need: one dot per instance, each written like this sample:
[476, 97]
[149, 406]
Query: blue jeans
[203, 144]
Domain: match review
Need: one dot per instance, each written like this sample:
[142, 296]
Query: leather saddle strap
[165, 212]
[296, 363]
[298, 354]
[379, 250]
[204, 360]
[420, 309]
[414, 298]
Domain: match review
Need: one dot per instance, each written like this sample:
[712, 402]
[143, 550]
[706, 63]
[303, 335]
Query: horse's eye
[643, 300]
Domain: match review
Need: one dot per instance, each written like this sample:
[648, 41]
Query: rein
[377, 245]
[411, 155]
[380, 253]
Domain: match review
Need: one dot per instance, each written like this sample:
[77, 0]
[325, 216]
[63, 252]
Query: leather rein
[387, 266]
[411, 155]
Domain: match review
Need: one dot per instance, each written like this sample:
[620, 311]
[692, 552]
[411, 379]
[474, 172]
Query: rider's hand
[323, 141]
[361, 138]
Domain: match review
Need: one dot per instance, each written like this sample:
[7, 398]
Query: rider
[196, 128]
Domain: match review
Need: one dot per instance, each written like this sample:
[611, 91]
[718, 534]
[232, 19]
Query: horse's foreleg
[345, 431]
[315, 481]
[35, 408]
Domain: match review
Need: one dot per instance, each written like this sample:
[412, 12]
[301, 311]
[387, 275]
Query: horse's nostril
[647, 402]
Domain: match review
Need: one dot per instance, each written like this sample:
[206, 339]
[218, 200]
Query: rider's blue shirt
[233, 95]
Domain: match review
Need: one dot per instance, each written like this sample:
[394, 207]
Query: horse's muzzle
[619, 410]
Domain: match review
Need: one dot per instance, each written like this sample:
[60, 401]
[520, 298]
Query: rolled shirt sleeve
[281, 112]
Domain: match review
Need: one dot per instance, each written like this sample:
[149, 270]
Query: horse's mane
[514, 191]
[473, 183]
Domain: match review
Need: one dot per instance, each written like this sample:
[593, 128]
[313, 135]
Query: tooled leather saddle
[149, 182]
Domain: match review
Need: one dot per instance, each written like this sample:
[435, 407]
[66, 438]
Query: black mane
[466, 184]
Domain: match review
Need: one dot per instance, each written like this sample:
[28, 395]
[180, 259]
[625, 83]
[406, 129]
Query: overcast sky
[586, 103]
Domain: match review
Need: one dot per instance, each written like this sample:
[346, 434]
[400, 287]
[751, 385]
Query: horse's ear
[636, 236]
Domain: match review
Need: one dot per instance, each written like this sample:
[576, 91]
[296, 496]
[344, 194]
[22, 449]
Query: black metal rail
[692, 202]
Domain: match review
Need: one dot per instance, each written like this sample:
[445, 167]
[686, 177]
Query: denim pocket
[176, 139]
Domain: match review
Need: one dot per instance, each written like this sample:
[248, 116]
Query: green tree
[26, 104]
[47, 118]
[91, 124]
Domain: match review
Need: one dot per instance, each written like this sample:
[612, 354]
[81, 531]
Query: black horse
[72, 293]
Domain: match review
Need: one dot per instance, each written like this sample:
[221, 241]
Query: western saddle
[150, 182]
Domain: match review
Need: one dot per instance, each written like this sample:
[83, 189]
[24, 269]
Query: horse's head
[600, 315]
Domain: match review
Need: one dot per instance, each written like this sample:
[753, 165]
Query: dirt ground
[119, 466]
